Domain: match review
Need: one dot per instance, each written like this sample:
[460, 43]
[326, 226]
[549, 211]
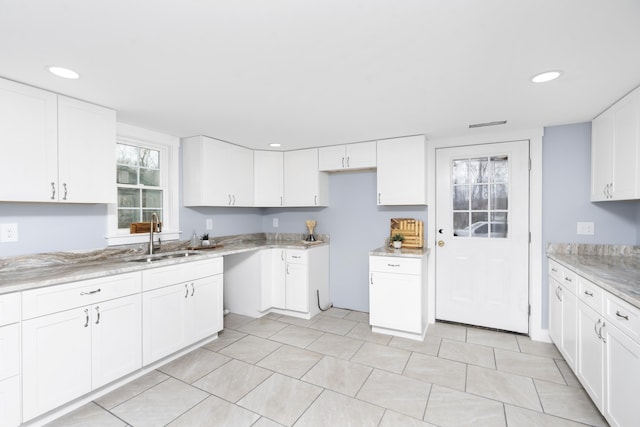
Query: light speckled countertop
[403, 253]
[35, 271]
[614, 268]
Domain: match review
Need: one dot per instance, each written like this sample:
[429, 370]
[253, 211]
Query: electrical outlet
[275, 223]
[586, 228]
[8, 232]
[209, 224]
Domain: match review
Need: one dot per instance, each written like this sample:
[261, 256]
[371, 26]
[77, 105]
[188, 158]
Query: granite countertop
[615, 269]
[403, 253]
[35, 271]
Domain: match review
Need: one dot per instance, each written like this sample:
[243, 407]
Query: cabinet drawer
[9, 308]
[395, 265]
[556, 271]
[622, 314]
[590, 294]
[569, 280]
[297, 257]
[39, 302]
[155, 278]
[9, 351]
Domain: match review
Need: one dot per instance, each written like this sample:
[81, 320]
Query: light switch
[209, 224]
[275, 223]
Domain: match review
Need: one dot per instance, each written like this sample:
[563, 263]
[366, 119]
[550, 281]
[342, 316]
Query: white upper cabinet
[29, 138]
[402, 175]
[268, 169]
[216, 173]
[67, 146]
[615, 151]
[351, 156]
[86, 152]
[304, 184]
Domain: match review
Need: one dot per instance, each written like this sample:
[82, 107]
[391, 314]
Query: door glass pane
[480, 191]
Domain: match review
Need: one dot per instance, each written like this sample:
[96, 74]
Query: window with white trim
[147, 183]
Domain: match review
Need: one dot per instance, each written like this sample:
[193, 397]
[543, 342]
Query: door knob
[441, 243]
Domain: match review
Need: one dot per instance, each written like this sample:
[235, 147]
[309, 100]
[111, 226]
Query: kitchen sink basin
[163, 256]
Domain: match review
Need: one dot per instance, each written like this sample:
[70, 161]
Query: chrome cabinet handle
[287, 268]
[186, 294]
[378, 198]
[393, 265]
[604, 340]
[98, 313]
[567, 279]
[229, 199]
[64, 186]
[596, 330]
[315, 200]
[282, 255]
[193, 289]
[53, 191]
[86, 314]
[296, 256]
[348, 165]
[623, 316]
[234, 200]
[343, 162]
[559, 293]
[371, 275]
[588, 293]
[90, 292]
[554, 270]
[281, 201]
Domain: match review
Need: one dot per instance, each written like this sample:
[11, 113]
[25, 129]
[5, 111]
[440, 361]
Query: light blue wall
[49, 227]
[226, 221]
[566, 178]
[356, 225]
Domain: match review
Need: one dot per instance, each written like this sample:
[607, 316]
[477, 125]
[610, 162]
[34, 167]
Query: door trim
[536, 331]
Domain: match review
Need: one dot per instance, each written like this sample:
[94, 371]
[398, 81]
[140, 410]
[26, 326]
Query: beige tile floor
[333, 371]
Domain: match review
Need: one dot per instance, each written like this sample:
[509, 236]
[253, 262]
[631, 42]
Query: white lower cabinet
[70, 353]
[608, 344]
[10, 413]
[179, 314]
[10, 402]
[397, 296]
[563, 306]
[591, 349]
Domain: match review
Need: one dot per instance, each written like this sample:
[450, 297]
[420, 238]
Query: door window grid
[138, 179]
[480, 196]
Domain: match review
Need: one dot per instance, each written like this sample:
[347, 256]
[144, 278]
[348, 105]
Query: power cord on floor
[322, 309]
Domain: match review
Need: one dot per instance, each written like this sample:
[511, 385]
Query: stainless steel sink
[166, 255]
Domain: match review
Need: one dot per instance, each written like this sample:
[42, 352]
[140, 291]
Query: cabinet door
[601, 156]
[622, 378]
[569, 327]
[361, 155]
[555, 312]
[9, 351]
[203, 313]
[304, 185]
[268, 168]
[56, 360]
[402, 171]
[625, 147]
[394, 301]
[29, 135]
[590, 353]
[10, 402]
[239, 175]
[272, 289]
[332, 158]
[297, 287]
[86, 152]
[116, 339]
[163, 320]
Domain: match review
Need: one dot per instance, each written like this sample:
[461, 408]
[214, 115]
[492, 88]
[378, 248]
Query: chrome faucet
[152, 227]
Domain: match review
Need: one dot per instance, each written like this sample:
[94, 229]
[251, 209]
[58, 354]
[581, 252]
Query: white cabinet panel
[10, 402]
[395, 301]
[216, 173]
[563, 312]
[116, 339]
[86, 152]
[29, 131]
[10, 308]
[402, 173]
[268, 178]
[590, 369]
[360, 155]
[204, 308]
[56, 360]
[304, 184]
[297, 287]
[9, 351]
[622, 378]
[163, 321]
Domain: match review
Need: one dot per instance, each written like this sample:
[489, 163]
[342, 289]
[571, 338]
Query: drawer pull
[296, 256]
[90, 292]
[393, 265]
[555, 270]
[590, 294]
[624, 316]
[568, 279]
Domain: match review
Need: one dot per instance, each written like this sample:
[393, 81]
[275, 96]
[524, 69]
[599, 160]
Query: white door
[482, 234]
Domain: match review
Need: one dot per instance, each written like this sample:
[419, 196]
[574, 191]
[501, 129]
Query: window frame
[169, 162]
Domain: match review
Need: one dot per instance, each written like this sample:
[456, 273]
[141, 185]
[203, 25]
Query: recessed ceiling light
[274, 145]
[547, 76]
[64, 72]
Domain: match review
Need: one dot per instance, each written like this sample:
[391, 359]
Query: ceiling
[312, 73]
